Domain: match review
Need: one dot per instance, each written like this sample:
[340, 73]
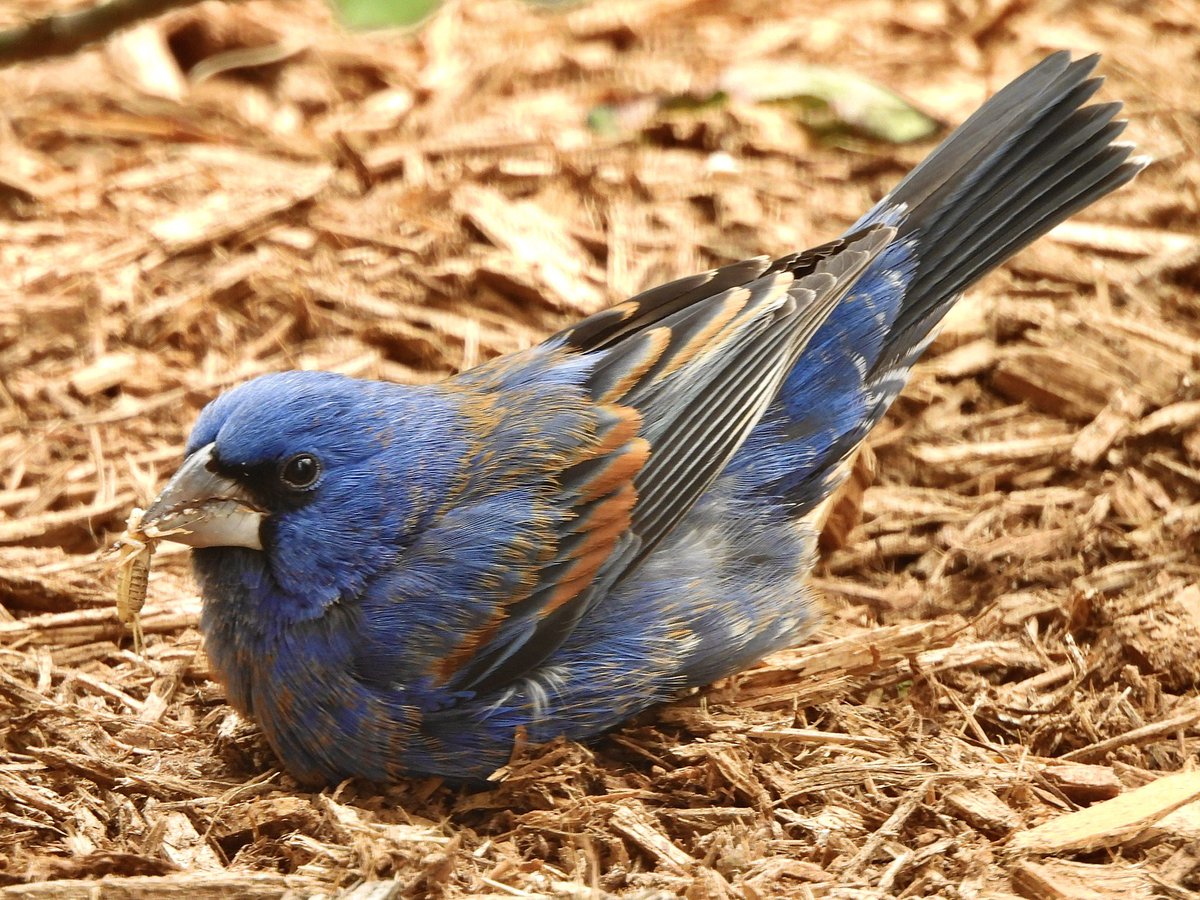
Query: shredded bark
[1003, 697]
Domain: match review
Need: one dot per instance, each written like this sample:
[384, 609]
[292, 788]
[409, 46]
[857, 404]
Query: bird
[403, 581]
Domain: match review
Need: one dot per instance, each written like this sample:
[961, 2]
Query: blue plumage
[403, 579]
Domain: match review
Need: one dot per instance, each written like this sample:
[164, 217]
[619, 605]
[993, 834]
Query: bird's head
[313, 471]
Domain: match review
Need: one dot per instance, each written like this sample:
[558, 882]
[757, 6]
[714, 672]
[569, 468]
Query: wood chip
[1176, 417]
[1111, 822]
[1115, 419]
[1119, 239]
[198, 886]
[982, 809]
[106, 372]
[1027, 450]
[1066, 880]
[1066, 382]
[1153, 731]
[538, 245]
[1084, 783]
[224, 213]
[639, 826]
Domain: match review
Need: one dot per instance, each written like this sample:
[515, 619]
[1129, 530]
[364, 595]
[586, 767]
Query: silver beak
[200, 508]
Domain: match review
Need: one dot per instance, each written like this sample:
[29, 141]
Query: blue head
[310, 479]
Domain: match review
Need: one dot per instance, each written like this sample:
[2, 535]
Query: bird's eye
[300, 471]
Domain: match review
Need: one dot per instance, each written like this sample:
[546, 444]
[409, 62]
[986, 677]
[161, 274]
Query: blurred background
[232, 188]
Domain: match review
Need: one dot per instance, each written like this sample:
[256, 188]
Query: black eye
[300, 471]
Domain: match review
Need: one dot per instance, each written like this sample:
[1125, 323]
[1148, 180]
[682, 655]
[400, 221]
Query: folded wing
[679, 377]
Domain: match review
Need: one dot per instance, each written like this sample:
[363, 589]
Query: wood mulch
[1003, 697]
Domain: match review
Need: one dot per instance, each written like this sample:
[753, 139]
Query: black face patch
[265, 482]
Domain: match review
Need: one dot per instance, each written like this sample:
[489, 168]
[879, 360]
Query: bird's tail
[1031, 156]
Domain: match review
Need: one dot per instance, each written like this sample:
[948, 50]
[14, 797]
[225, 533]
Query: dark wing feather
[607, 327]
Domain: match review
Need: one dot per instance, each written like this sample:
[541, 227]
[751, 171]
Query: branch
[59, 35]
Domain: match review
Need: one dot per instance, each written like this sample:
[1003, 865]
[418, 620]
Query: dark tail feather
[1030, 157]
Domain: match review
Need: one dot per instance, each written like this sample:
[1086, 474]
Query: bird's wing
[681, 375]
[649, 308]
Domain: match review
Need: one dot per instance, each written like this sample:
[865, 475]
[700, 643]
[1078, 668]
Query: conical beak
[204, 509]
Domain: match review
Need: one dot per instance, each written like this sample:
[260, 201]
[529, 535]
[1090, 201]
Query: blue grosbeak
[399, 580]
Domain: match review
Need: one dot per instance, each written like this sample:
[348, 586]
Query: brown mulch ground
[1007, 676]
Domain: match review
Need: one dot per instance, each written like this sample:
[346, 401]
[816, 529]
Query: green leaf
[832, 100]
[385, 13]
[605, 120]
[639, 113]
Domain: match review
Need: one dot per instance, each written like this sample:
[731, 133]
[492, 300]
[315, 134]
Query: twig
[889, 829]
[60, 35]
[1152, 732]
